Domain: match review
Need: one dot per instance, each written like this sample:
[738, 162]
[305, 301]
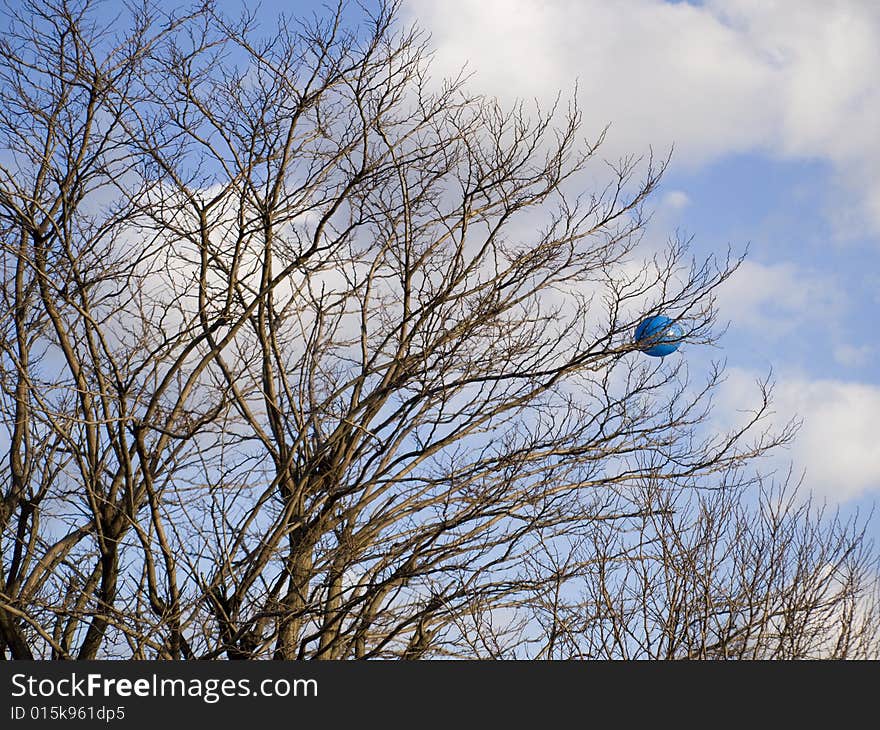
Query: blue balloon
[658, 336]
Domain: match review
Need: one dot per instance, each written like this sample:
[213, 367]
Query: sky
[773, 108]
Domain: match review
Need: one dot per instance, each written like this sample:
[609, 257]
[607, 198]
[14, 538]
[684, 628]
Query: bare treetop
[311, 355]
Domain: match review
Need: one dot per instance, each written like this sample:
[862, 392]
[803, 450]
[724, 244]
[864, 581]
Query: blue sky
[773, 108]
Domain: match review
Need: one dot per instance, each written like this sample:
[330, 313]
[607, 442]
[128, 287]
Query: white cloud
[797, 80]
[837, 443]
[852, 355]
[776, 298]
[676, 199]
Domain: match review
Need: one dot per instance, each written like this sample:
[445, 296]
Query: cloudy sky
[773, 108]
[774, 111]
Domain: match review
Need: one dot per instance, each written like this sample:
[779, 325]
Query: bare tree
[311, 355]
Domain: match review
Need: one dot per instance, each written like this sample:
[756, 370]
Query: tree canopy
[313, 355]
